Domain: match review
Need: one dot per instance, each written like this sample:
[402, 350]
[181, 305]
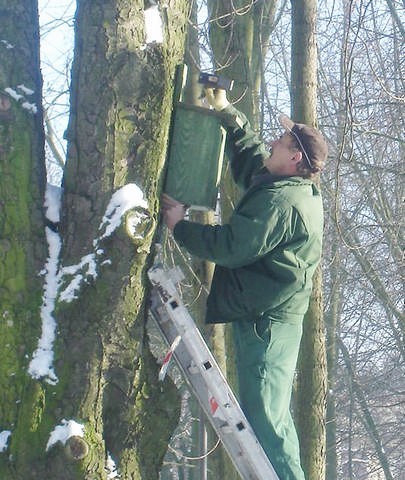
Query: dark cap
[311, 142]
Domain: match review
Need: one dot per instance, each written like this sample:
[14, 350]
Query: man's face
[284, 156]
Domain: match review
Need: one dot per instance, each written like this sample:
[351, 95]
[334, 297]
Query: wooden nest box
[196, 152]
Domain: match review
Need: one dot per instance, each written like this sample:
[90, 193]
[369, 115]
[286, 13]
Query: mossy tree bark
[312, 372]
[121, 98]
[239, 35]
[121, 108]
[22, 239]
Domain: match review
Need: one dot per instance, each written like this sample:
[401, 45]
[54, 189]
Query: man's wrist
[223, 106]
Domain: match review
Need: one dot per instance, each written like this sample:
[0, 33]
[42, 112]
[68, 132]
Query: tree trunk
[123, 94]
[366, 414]
[22, 238]
[200, 280]
[312, 373]
[239, 34]
[331, 323]
[239, 40]
[121, 98]
[311, 387]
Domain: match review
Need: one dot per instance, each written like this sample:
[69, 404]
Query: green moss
[102, 334]
[162, 413]
[17, 339]
[24, 443]
[10, 370]
[15, 211]
[38, 407]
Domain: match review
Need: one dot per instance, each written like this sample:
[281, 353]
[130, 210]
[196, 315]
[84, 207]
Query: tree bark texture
[310, 398]
[312, 371]
[22, 239]
[121, 97]
[239, 35]
[118, 133]
[304, 61]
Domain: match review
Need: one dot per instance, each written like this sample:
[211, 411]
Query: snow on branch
[31, 107]
[61, 433]
[128, 197]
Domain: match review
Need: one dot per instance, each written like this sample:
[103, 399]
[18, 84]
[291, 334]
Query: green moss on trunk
[22, 243]
[118, 133]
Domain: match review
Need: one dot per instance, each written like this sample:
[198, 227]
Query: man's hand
[172, 211]
[216, 98]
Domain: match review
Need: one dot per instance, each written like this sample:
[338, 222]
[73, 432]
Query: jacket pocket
[262, 329]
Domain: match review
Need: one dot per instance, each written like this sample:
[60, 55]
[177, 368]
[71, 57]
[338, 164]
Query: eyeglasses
[311, 165]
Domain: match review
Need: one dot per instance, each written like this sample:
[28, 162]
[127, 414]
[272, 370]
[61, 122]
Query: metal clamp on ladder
[206, 379]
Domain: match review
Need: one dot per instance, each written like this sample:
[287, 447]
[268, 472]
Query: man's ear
[297, 157]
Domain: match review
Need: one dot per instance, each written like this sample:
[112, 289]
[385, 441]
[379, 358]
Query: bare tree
[362, 91]
[311, 381]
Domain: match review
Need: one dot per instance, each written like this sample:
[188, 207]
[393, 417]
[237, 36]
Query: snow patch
[6, 44]
[153, 25]
[65, 283]
[84, 271]
[31, 107]
[52, 204]
[42, 359]
[63, 432]
[13, 94]
[111, 468]
[127, 197]
[4, 436]
[25, 90]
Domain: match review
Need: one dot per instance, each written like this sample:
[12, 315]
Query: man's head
[301, 150]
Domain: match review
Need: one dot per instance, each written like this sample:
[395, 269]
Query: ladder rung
[207, 381]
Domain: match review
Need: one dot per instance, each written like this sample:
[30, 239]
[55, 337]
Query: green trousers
[266, 353]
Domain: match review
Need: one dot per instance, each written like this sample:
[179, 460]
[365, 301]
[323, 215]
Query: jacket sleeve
[244, 148]
[248, 236]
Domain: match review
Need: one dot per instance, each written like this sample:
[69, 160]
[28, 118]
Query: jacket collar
[264, 177]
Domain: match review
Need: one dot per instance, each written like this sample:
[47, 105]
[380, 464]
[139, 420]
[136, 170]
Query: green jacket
[266, 255]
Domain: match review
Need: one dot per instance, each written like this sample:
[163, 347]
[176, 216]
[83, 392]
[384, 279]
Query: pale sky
[56, 23]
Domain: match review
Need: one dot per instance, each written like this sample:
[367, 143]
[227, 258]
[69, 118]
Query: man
[265, 258]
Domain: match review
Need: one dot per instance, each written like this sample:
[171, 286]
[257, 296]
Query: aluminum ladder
[205, 378]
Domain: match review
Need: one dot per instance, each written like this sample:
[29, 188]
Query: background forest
[79, 390]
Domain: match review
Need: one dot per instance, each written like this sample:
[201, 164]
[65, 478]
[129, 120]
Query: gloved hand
[217, 98]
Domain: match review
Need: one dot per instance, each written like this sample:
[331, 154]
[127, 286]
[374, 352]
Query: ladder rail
[206, 380]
